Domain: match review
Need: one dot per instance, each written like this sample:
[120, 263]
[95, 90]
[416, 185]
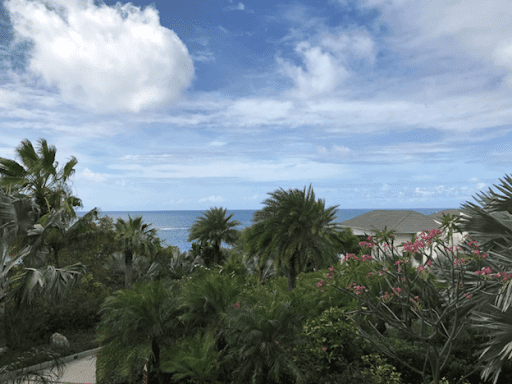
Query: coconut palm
[213, 229]
[293, 229]
[135, 324]
[134, 237]
[38, 177]
[491, 226]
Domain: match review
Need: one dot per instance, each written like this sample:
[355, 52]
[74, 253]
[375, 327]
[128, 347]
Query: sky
[187, 105]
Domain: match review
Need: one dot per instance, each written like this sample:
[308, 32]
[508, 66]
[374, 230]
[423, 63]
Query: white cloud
[335, 151]
[323, 74]
[258, 170]
[423, 192]
[211, 199]
[88, 175]
[238, 7]
[102, 58]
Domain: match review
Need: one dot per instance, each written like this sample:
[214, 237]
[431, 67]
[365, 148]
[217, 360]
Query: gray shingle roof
[402, 221]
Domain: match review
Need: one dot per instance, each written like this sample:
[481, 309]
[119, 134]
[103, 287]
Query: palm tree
[22, 239]
[134, 238]
[491, 226]
[136, 323]
[293, 229]
[81, 230]
[214, 228]
[39, 177]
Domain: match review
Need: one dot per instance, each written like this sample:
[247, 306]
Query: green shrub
[26, 327]
[333, 345]
[380, 372]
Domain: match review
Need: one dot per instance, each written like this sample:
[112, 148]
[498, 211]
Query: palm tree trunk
[216, 248]
[292, 273]
[56, 257]
[128, 261]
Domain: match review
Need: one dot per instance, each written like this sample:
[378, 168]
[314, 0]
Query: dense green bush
[333, 344]
[26, 327]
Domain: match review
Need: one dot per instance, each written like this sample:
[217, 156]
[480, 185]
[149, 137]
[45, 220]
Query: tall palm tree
[38, 177]
[293, 229]
[134, 237]
[214, 228]
[491, 226]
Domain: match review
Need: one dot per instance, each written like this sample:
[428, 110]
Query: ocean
[172, 226]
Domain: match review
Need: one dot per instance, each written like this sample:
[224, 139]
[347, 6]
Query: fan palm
[134, 237]
[19, 228]
[39, 177]
[491, 226]
[293, 229]
[214, 228]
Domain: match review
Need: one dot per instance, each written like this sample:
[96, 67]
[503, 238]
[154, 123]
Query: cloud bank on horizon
[187, 105]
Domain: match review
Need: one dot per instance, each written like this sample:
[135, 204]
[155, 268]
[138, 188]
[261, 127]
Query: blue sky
[194, 104]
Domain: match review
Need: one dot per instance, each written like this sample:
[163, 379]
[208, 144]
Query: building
[406, 223]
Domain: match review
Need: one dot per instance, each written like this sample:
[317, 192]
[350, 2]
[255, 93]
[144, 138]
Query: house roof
[401, 221]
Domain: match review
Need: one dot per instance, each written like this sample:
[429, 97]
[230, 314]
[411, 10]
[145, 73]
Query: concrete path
[78, 369]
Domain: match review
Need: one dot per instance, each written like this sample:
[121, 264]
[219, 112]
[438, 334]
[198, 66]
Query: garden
[277, 306]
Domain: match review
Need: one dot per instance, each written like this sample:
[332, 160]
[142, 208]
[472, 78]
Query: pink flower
[331, 269]
[324, 349]
[429, 263]
[420, 269]
[398, 262]
[277, 342]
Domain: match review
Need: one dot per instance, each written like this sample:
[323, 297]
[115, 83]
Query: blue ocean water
[172, 226]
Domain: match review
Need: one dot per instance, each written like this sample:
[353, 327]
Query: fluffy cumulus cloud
[102, 58]
[327, 62]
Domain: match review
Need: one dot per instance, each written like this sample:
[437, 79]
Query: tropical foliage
[292, 229]
[213, 229]
[277, 307]
[39, 178]
[134, 237]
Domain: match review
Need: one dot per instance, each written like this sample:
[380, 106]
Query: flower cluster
[415, 302]
[365, 244]
[506, 276]
[351, 256]
[364, 258]
[236, 305]
[484, 271]
[358, 289]
[397, 290]
[386, 298]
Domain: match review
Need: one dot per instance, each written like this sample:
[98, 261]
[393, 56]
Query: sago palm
[214, 228]
[293, 229]
[134, 237]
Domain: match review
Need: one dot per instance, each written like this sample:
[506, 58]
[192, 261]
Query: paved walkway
[79, 371]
